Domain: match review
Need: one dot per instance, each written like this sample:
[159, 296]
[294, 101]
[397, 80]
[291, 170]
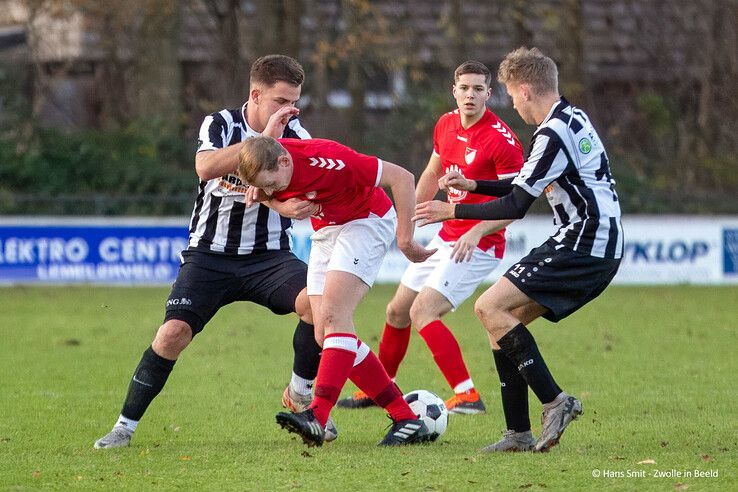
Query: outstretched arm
[512, 206]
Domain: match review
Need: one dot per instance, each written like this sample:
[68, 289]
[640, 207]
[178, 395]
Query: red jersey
[342, 181]
[486, 150]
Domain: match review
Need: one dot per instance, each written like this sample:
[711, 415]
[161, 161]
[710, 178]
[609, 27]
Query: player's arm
[427, 186]
[211, 164]
[401, 184]
[512, 206]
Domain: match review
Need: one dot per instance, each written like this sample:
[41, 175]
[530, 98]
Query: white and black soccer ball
[429, 407]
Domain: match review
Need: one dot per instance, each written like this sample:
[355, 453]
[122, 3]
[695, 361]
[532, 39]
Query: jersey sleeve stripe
[379, 172]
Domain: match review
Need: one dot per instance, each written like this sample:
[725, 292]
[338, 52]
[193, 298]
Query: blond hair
[530, 66]
[258, 154]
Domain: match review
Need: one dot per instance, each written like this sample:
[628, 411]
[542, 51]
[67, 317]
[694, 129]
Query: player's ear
[255, 93]
[284, 160]
[525, 91]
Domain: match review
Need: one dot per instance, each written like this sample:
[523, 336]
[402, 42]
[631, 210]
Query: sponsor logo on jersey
[470, 155]
[231, 184]
[455, 195]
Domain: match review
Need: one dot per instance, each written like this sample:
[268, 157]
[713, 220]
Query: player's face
[521, 101]
[271, 182]
[269, 100]
[471, 94]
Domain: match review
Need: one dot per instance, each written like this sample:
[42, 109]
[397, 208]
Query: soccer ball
[429, 407]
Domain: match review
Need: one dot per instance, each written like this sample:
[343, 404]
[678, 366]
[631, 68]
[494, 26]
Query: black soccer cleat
[304, 424]
[406, 432]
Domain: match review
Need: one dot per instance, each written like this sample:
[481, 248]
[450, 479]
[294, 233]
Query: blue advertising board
[126, 253]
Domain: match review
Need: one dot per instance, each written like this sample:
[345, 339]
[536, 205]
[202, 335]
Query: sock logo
[179, 302]
[142, 382]
[525, 364]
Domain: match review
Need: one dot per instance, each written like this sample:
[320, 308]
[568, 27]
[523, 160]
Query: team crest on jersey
[470, 155]
[310, 195]
[455, 195]
[585, 146]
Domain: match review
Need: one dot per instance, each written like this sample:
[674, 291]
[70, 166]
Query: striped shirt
[220, 222]
[568, 162]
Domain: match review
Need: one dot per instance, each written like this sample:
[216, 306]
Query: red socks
[393, 347]
[371, 378]
[336, 362]
[446, 352]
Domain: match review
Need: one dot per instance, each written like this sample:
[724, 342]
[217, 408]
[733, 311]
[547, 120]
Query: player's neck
[251, 117]
[544, 105]
[468, 121]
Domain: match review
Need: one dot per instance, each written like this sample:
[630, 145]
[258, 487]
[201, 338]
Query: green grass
[655, 368]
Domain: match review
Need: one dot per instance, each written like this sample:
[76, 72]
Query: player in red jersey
[354, 224]
[474, 142]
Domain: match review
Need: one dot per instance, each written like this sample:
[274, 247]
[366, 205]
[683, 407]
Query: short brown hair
[530, 66]
[471, 66]
[258, 154]
[270, 69]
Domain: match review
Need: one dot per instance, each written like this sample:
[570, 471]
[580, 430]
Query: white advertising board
[665, 249]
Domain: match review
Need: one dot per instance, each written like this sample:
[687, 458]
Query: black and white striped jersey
[220, 222]
[568, 162]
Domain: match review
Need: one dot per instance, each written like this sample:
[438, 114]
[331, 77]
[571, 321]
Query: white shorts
[356, 247]
[456, 281]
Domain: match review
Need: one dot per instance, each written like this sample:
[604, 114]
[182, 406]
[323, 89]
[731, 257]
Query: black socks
[307, 351]
[520, 347]
[514, 392]
[148, 380]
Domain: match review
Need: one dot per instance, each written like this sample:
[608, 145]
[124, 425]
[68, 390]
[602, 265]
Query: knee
[486, 311]
[302, 308]
[397, 316]
[420, 314]
[172, 338]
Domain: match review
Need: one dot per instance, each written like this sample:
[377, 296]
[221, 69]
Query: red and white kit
[356, 221]
[486, 150]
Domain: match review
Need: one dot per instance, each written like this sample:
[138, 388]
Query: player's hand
[432, 212]
[455, 180]
[295, 208]
[414, 251]
[278, 121]
[464, 246]
[253, 195]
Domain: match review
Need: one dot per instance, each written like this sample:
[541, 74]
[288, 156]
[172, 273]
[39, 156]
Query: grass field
[655, 368]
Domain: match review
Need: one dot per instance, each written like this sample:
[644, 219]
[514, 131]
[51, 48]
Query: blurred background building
[100, 100]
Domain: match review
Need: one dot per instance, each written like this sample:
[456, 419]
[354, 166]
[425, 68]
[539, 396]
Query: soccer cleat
[297, 403]
[554, 419]
[512, 442]
[305, 424]
[357, 400]
[119, 437]
[406, 432]
[467, 403]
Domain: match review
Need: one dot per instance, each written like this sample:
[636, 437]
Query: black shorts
[560, 279]
[206, 282]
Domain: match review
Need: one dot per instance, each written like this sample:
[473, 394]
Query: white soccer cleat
[119, 437]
